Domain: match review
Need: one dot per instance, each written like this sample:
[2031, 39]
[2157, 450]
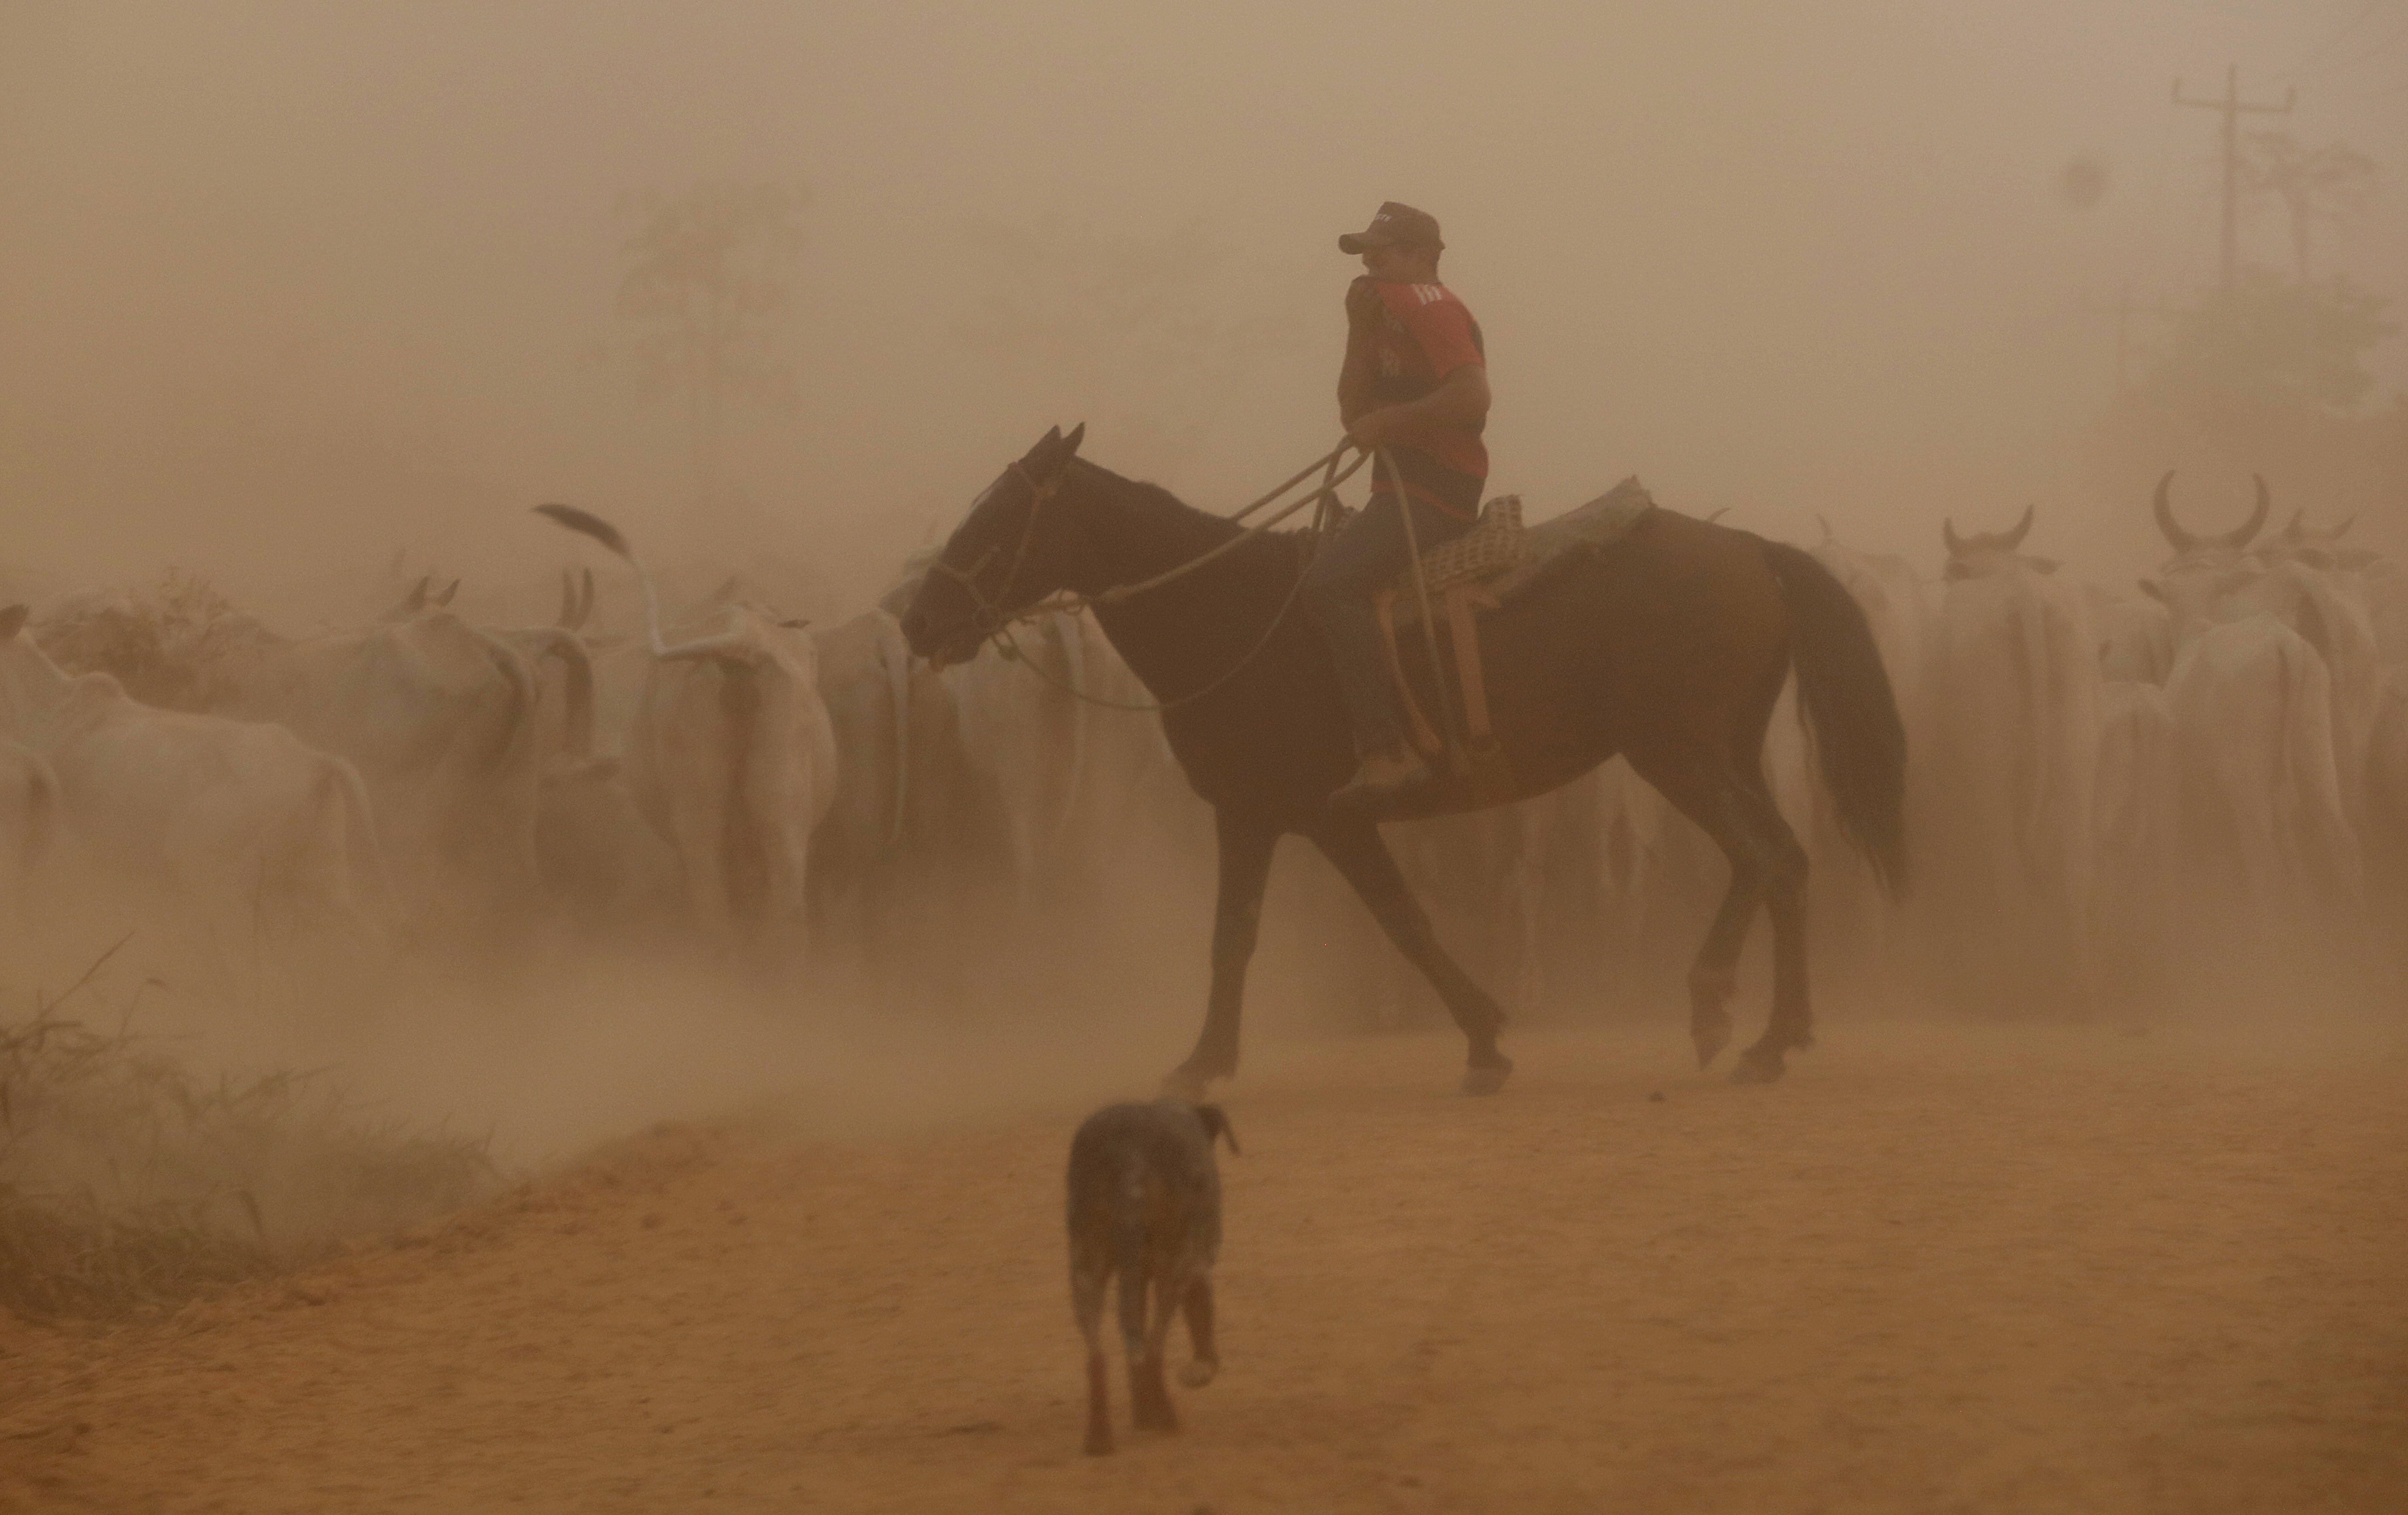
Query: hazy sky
[296, 284]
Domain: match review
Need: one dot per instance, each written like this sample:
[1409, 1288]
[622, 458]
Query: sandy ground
[1983, 1270]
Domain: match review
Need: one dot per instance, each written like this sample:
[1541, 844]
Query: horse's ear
[1070, 443]
[1043, 452]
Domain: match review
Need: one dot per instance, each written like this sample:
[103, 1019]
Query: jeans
[1337, 594]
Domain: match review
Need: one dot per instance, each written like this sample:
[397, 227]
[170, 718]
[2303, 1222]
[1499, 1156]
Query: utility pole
[2124, 310]
[2233, 109]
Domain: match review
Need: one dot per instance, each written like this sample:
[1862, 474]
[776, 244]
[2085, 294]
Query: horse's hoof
[1754, 1069]
[1709, 1031]
[1196, 1373]
[1488, 1078]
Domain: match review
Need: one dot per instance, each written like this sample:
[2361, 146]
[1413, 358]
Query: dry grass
[169, 646]
[126, 1181]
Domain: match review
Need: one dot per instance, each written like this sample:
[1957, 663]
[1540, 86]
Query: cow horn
[1948, 534]
[2243, 535]
[2023, 528]
[2181, 540]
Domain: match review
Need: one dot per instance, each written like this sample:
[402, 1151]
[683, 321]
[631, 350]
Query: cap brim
[1355, 243]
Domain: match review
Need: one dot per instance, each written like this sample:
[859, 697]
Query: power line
[2233, 108]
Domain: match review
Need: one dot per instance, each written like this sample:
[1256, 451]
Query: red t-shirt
[1429, 334]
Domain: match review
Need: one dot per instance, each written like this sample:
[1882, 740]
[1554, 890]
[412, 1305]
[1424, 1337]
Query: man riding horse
[1414, 386]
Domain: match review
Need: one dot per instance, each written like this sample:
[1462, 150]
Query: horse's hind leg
[1354, 844]
[1791, 1024]
[1708, 792]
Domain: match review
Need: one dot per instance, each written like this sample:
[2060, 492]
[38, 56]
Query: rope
[1118, 592]
[1326, 495]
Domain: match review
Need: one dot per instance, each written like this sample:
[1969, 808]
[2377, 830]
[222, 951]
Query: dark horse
[1670, 646]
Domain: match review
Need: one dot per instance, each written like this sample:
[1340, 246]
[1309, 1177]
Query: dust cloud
[307, 300]
[289, 287]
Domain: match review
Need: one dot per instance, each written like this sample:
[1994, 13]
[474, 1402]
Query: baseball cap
[1394, 225]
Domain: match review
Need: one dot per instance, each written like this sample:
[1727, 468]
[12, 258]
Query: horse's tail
[1851, 714]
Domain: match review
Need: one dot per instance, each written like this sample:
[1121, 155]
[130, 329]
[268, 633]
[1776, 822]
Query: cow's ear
[12, 620]
[2149, 587]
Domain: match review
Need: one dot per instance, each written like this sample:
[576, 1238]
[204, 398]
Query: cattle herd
[2110, 787]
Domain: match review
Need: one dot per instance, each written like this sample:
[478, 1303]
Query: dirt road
[1974, 1270]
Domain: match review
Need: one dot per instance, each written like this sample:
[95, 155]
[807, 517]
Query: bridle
[994, 624]
[989, 617]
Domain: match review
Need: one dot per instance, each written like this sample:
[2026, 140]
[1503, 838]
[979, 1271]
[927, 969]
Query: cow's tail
[586, 522]
[1851, 713]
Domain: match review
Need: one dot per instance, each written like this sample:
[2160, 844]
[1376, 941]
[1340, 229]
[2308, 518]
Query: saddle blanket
[1505, 557]
[1480, 571]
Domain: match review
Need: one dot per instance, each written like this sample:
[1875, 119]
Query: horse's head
[1006, 556]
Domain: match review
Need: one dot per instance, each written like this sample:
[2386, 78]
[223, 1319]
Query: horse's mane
[1143, 493]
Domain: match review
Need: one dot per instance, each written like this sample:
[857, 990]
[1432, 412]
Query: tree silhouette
[2267, 338]
[2330, 185]
[704, 277]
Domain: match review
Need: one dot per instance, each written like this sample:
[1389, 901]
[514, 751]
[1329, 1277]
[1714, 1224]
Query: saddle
[1481, 571]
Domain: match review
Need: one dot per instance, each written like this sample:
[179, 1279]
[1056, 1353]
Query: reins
[996, 627]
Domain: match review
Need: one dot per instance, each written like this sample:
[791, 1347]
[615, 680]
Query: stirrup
[1361, 790]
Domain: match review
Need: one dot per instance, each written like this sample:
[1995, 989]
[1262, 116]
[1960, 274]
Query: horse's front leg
[1246, 846]
[1354, 844]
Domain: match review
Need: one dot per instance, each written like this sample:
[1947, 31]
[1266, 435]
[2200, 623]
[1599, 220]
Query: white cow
[2136, 637]
[236, 822]
[2017, 757]
[731, 756]
[441, 720]
[2252, 708]
[1025, 728]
